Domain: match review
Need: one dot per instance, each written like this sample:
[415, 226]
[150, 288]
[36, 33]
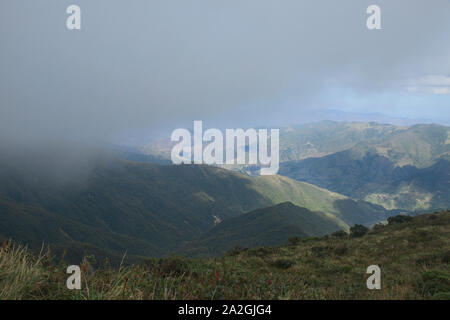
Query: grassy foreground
[413, 255]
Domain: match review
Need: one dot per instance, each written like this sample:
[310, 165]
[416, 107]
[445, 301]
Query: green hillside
[397, 167]
[326, 137]
[156, 206]
[146, 209]
[262, 227]
[376, 179]
[404, 168]
[413, 256]
[280, 189]
[341, 209]
[419, 145]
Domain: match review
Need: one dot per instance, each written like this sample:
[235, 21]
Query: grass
[413, 256]
[20, 273]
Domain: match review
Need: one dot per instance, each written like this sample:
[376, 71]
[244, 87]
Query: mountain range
[332, 176]
[398, 168]
[147, 209]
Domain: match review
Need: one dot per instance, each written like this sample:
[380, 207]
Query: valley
[147, 209]
[332, 176]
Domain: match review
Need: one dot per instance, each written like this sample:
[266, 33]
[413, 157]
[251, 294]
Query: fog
[148, 65]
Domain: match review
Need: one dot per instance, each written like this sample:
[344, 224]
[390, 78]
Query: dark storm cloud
[138, 64]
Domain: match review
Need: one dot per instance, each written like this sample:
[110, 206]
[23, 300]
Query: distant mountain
[405, 169]
[136, 154]
[418, 145]
[307, 140]
[262, 227]
[148, 209]
[327, 137]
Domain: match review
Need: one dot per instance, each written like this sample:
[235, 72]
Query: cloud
[432, 84]
[151, 64]
[437, 81]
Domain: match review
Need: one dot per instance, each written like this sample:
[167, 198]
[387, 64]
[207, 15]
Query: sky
[153, 64]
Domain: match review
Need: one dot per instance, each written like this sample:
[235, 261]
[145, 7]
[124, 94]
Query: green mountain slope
[161, 205]
[376, 179]
[35, 227]
[144, 208]
[281, 189]
[398, 168]
[419, 145]
[262, 227]
[326, 137]
[413, 256]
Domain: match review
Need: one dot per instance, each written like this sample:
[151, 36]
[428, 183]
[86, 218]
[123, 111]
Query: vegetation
[375, 178]
[147, 209]
[414, 258]
[358, 231]
[92, 213]
[399, 219]
[419, 145]
[261, 227]
[397, 167]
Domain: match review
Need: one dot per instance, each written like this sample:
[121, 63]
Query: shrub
[378, 227]
[260, 252]
[150, 263]
[283, 263]
[434, 283]
[341, 249]
[293, 241]
[173, 266]
[358, 230]
[235, 251]
[399, 219]
[321, 251]
[339, 234]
